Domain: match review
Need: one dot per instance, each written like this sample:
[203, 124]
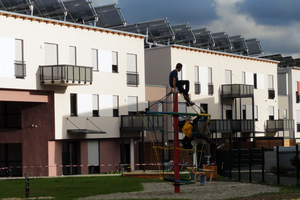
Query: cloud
[274, 38]
[271, 12]
[198, 13]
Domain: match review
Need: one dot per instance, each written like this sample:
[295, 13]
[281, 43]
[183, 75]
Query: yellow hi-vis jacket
[187, 129]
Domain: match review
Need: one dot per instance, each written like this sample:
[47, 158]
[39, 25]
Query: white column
[132, 153]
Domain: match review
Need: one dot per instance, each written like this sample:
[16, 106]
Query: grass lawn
[71, 187]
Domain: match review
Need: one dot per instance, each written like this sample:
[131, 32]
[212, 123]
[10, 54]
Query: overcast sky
[276, 23]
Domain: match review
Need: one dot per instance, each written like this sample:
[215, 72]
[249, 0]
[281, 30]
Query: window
[10, 115]
[243, 77]
[228, 77]
[282, 84]
[95, 105]
[95, 59]
[228, 110]
[284, 114]
[132, 105]
[197, 81]
[73, 99]
[298, 120]
[210, 82]
[147, 105]
[271, 112]
[20, 67]
[132, 75]
[72, 55]
[271, 87]
[256, 113]
[255, 81]
[51, 54]
[115, 62]
[115, 106]
[244, 112]
[297, 92]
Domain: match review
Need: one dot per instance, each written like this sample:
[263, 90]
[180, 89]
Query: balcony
[137, 123]
[280, 125]
[66, 75]
[236, 91]
[20, 69]
[132, 79]
[231, 125]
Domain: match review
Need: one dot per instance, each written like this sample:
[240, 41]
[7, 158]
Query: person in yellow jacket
[187, 130]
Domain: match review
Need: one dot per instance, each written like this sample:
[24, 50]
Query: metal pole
[176, 144]
[250, 163]
[277, 159]
[297, 161]
[263, 164]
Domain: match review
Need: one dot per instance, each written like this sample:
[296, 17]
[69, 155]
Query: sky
[276, 23]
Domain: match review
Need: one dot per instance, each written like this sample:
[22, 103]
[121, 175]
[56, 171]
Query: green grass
[71, 187]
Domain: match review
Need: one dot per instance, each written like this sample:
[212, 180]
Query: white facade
[218, 68]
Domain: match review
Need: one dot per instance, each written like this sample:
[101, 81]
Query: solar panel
[18, 6]
[222, 42]
[129, 28]
[54, 9]
[297, 62]
[184, 35]
[159, 31]
[289, 61]
[80, 10]
[238, 45]
[254, 47]
[203, 38]
[110, 16]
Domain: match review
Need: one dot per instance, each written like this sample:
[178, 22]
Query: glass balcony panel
[76, 73]
[235, 89]
[226, 89]
[82, 74]
[70, 73]
[88, 74]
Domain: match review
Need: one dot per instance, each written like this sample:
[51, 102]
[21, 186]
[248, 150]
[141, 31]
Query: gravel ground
[212, 190]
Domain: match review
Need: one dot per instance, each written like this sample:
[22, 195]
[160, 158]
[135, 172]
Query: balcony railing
[197, 88]
[132, 78]
[210, 89]
[137, 123]
[20, 69]
[231, 125]
[66, 74]
[237, 90]
[280, 125]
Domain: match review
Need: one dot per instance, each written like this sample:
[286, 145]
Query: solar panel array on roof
[184, 35]
[287, 61]
[80, 10]
[159, 32]
[110, 16]
[19, 6]
[222, 42]
[254, 47]
[238, 45]
[204, 38]
[54, 9]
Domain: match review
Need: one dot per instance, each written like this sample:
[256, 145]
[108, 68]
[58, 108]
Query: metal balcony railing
[231, 125]
[66, 74]
[20, 69]
[138, 123]
[132, 78]
[210, 89]
[237, 90]
[280, 125]
[197, 88]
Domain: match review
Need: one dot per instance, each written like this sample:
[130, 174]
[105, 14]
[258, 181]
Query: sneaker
[202, 110]
[220, 146]
[190, 103]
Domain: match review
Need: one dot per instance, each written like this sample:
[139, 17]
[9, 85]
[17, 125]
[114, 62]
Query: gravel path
[212, 190]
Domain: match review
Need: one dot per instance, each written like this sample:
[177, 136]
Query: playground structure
[176, 166]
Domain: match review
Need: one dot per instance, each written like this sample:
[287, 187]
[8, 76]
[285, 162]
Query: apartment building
[63, 89]
[240, 92]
